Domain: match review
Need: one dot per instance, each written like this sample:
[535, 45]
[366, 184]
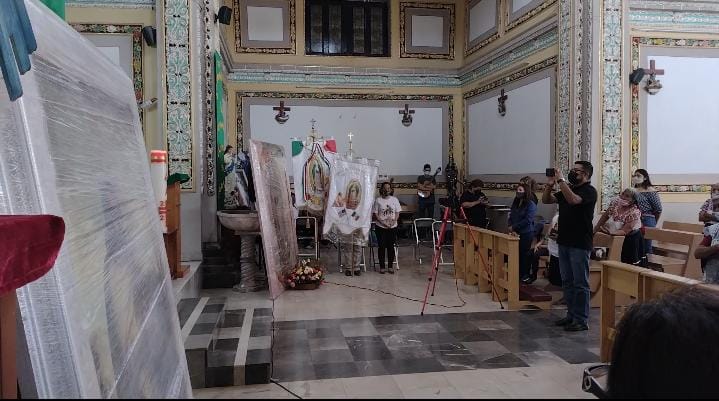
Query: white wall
[682, 129]
[378, 133]
[117, 48]
[519, 142]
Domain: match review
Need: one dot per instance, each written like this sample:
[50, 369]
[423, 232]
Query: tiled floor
[351, 342]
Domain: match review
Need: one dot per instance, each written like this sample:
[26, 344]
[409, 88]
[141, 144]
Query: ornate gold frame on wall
[491, 38]
[135, 30]
[449, 99]
[291, 49]
[637, 42]
[403, 40]
[503, 81]
[526, 16]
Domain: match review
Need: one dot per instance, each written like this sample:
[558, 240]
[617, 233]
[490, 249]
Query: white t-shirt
[552, 245]
[387, 211]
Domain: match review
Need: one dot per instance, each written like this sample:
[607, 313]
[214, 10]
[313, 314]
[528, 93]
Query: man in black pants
[576, 201]
[386, 213]
[425, 197]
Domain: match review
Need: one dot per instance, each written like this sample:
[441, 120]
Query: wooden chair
[685, 265]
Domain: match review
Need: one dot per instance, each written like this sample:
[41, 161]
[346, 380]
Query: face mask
[573, 178]
[623, 202]
[715, 195]
[426, 172]
[637, 180]
[520, 195]
[382, 192]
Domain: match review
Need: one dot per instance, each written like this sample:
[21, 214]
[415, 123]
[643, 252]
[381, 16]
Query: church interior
[359, 198]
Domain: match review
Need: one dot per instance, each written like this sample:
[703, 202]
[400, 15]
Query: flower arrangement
[307, 275]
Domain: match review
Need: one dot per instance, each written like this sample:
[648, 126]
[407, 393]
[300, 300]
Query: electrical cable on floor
[272, 356]
[464, 303]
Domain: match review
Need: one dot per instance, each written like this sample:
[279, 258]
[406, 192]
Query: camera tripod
[432, 279]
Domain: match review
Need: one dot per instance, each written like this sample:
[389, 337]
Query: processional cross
[350, 152]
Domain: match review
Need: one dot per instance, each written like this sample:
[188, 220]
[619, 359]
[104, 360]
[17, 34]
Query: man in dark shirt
[576, 201]
[425, 193]
[475, 204]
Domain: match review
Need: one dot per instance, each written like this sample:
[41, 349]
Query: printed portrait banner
[351, 195]
[274, 206]
[311, 173]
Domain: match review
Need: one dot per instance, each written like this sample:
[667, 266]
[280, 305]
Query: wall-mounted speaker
[224, 15]
[150, 35]
[636, 76]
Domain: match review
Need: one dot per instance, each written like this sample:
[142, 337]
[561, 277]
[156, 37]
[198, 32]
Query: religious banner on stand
[311, 171]
[351, 195]
[274, 206]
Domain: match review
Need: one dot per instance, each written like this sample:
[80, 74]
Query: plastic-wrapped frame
[103, 322]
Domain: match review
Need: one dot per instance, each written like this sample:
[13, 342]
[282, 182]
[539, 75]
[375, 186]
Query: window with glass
[347, 28]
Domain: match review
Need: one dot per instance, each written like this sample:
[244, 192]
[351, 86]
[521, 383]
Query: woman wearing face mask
[386, 213]
[532, 187]
[521, 223]
[648, 201]
[709, 213]
[623, 217]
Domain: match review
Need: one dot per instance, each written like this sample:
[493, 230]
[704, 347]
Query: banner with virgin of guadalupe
[274, 206]
[351, 195]
[311, 169]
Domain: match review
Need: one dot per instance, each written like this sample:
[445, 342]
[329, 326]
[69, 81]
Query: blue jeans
[648, 221]
[574, 268]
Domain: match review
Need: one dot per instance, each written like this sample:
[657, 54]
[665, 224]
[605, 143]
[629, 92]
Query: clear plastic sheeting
[103, 322]
[348, 216]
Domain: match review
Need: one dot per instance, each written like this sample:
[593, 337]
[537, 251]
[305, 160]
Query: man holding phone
[576, 200]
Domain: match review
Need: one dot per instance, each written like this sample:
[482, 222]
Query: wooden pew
[627, 280]
[491, 258]
[614, 244]
[687, 266]
[696, 228]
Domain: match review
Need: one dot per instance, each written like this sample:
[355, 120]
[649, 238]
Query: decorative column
[178, 117]
[614, 84]
[575, 82]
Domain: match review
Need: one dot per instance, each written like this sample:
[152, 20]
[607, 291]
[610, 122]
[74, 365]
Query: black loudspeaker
[224, 15]
[636, 76]
[150, 35]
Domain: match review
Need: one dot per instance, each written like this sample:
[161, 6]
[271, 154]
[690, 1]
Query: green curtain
[57, 6]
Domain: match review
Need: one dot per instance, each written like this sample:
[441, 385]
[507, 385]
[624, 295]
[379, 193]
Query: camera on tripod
[452, 200]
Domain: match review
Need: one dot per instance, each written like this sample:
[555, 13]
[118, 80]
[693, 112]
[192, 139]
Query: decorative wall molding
[564, 83]
[348, 96]
[636, 128]
[675, 5]
[513, 23]
[178, 119]
[368, 77]
[406, 10]
[210, 123]
[674, 21]
[136, 32]
[611, 71]
[111, 3]
[237, 21]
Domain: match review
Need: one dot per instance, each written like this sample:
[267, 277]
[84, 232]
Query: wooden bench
[629, 281]
[675, 250]
[489, 258]
[614, 244]
[687, 266]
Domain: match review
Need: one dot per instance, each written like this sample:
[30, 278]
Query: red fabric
[707, 241]
[30, 245]
[331, 145]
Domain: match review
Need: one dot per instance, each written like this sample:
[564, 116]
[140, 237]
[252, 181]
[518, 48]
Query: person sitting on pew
[623, 217]
[709, 212]
[475, 204]
[708, 252]
[664, 348]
